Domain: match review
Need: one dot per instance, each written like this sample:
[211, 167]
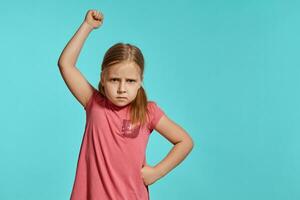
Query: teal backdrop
[226, 71]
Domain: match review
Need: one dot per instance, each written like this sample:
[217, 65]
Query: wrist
[159, 171]
[87, 25]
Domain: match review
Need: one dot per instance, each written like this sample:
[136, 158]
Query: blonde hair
[121, 52]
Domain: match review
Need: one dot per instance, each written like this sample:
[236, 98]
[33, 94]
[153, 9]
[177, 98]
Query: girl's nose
[122, 88]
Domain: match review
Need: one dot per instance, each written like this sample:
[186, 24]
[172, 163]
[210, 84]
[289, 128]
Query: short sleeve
[90, 101]
[155, 114]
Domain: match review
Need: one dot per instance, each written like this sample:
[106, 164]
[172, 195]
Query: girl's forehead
[124, 69]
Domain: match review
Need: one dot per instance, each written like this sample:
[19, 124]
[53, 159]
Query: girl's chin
[121, 102]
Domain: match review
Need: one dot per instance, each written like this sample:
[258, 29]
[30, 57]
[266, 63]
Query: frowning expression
[121, 82]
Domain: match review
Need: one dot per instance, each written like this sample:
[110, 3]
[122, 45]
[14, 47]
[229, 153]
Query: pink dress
[112, 153]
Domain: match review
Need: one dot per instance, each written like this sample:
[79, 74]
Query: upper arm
[81, 89]
[172, 131]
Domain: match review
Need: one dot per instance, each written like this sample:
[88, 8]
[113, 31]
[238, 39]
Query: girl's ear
[142, 82]
[141, 85]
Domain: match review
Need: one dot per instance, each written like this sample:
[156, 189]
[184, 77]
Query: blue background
[226, 71]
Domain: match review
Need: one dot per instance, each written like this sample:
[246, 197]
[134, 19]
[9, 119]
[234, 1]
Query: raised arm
[80, 88]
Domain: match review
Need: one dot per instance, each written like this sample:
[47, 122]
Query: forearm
[71, 52]
[176, 155]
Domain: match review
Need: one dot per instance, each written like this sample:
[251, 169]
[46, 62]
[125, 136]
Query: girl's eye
[114, 79]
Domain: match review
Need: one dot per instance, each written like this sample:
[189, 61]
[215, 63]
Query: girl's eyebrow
[114, 77]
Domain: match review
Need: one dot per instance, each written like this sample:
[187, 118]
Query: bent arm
[183, 144]
[81, 89]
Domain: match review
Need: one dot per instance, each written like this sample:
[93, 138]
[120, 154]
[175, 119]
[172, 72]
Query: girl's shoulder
[155, 113]
[153, 106]
[96, 97]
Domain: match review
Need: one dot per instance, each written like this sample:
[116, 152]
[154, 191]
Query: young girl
[119, 120]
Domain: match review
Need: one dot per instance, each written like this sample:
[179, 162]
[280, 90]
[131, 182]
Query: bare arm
[76, 82]
[183, 145]
[71, 51]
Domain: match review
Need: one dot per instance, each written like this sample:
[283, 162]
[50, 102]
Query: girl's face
[121, 82]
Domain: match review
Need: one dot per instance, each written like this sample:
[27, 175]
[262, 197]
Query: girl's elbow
[190, 143]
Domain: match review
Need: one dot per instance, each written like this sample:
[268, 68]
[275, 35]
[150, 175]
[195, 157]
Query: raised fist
[94, 18]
